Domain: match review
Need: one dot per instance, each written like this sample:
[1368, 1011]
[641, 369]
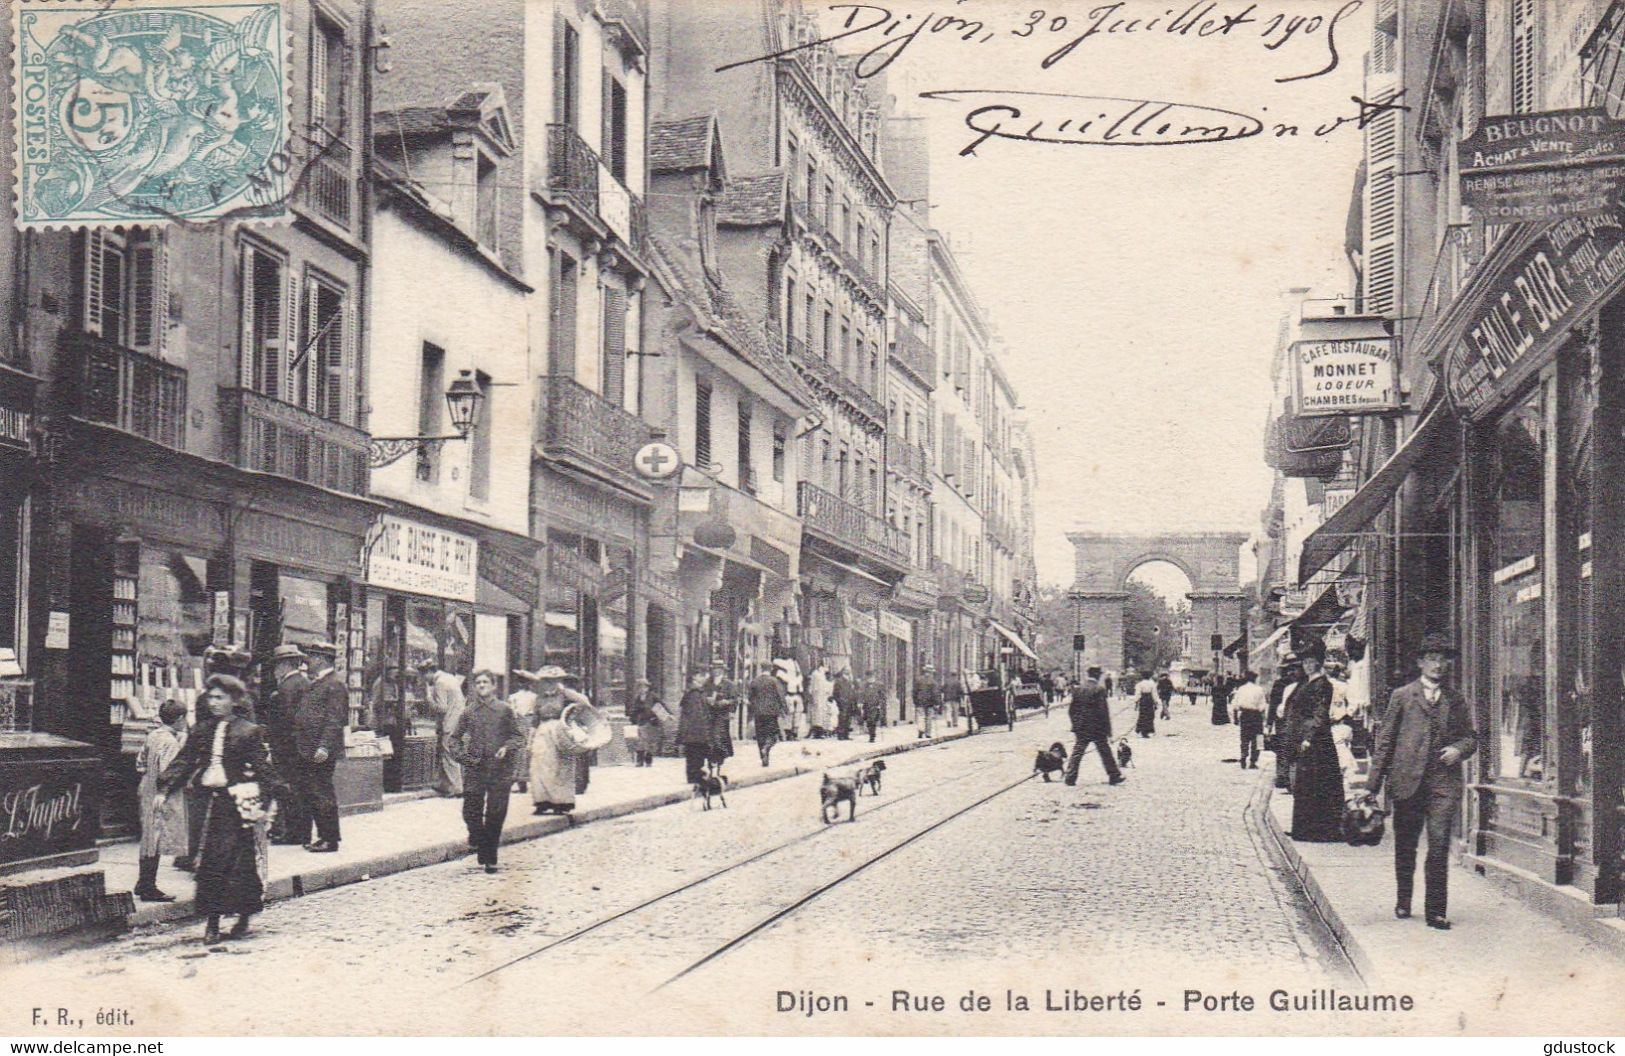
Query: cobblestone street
[1157, 884]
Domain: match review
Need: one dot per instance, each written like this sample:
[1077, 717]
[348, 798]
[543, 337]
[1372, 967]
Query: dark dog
[833, 792]
[1125, 754]
[1050, 761]
[712, 785]
[870, 776]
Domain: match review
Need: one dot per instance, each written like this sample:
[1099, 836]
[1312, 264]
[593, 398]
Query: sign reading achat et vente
[1346, 376]
[1521, 167]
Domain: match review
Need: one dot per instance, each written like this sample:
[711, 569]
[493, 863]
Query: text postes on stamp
[149, 113]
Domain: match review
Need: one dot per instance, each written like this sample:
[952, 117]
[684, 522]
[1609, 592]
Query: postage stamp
[147, 114]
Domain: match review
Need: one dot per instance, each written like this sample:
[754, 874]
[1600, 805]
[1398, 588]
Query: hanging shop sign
[1528, 307]
[423, 559]
[974, 594]
[1308, 447]
[513, 573]
[896, 626]
[1522, 167]
[1341, 377]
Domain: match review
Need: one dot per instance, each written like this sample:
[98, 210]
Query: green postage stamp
[141, 113]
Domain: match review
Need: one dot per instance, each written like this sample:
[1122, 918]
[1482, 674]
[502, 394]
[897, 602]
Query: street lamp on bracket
[463, 398]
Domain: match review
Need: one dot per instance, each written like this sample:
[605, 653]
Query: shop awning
[1269, 643]
[1344, 526]
[1014, 639]
[1236, 646]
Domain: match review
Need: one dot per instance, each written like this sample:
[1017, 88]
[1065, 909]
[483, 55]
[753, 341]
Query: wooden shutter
[318, 75]
[95, 242]
[562, 354]
[305, 375]
[245, 312]
[1381, 236]
[702, 425]
[614, 372]
[141, 268]
[349, 351]
[606, 119]
[160, 292]
[289, 346]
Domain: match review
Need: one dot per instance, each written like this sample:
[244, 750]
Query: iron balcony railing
[909, 460]
[851, 525]
[849, 260]
[129, 390]
[916, 355]
[822, 372]
[328, 182]
[575, 174]
[289, 441]
[573, 422]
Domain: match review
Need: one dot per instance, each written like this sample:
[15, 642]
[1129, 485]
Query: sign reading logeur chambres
[1346, 376]
[423, 559]
[1522, 167]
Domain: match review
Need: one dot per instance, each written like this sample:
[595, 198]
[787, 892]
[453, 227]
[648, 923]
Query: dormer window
[485, 201]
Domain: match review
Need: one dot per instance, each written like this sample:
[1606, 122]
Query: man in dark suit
[1279, 720]
[1426, 732]
[319, 743]
[846, 704]
[287, 699]
[1091, 717]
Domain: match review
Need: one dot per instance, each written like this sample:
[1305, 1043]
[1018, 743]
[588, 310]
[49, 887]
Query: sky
[1137, 291]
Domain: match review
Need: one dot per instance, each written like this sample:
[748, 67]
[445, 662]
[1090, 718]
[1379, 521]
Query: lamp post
[463, 398]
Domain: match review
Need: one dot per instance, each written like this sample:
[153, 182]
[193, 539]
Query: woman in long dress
[1145, 692]
[225, 758]
[1317, 791]
[820, 708]
[552, 752]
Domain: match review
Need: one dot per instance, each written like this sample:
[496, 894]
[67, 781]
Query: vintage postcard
[738, 517]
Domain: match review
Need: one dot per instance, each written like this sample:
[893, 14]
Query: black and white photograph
[740, 518]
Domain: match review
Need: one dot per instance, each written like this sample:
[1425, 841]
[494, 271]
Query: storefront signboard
[1342, 377]
[1528, 306]
[48, 807]
[509, 572]
[423, 559]
[56, 630]
[1521, 167]
[1336, 499]
[896, 626]
[862, 623]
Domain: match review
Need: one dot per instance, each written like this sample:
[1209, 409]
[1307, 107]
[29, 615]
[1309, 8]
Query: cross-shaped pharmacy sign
[657, 460]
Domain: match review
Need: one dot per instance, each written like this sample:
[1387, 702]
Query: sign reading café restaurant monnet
[1351, 375]
[1521, 167]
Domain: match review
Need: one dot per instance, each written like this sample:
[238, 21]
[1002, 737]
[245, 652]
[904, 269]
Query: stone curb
[285, 887]
[1286, 854]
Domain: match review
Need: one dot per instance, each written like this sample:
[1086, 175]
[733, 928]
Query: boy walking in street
[486, 741]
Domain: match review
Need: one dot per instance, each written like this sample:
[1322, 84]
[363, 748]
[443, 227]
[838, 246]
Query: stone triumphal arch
[1105, 560]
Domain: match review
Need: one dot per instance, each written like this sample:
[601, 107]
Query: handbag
[1363, 821]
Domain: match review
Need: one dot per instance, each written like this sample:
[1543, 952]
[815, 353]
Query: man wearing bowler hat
[287, 700]
[319, 743]
[1426, 733]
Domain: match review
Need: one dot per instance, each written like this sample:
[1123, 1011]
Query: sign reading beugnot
[1522, 167]
[1348, 376]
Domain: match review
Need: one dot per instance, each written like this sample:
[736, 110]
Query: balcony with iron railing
[821, 372]
[915, 357]
[577, 426]
[287, 440]
[831, 239]
[129, 390]
[577, 177]
[851, 527]
[908, 460]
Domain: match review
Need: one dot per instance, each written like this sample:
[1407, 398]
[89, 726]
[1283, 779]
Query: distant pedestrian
[1110, 684]
[1248, 703]
[281, 712]
[163, 820]
[522, 702]
[927, 701]
[553, 758]
[953, 696]
[642, 714]
[872, 698]
[765, 697]
[1427, 732]
[1222, 686]
[723, 701]
[821, 714]
[1145, 692]
[1090, 714]
[1317, 786]
[486, 741]
[318, 731]
[1278, 720]
[1165, 692]
[444, 693]
[225, 758]
[694, 728]
[846, 704]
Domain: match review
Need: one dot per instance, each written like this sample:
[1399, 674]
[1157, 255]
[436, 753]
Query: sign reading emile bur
[1521, 167]
[1346, 376]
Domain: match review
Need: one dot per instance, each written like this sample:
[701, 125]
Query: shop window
[174, 625]
[1577, 624]
[1522, 748]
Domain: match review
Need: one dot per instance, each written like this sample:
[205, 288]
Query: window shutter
[309, 379]
[336, 359]
[702, 426]
[245, 310]
[1382, 209]
[615, 346]
[318, 74]
[350, 350]
[160, 292]
[568, 295]
[95, 240]
[290, 338]
[143, 311]
[606, 119]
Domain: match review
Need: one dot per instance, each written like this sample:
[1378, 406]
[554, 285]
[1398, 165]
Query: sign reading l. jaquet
[423, 559]
[1351, 376]
[48, 808]
[1533, 300]
[1521, 167]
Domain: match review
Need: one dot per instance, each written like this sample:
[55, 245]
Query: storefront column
[1608, 585]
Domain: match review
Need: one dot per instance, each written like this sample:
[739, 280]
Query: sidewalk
[1353, 890]
[417, 832]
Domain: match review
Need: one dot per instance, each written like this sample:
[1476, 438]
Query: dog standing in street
[1125, 754]
[870, 776]
[1050, 761]
[833, 792]
[710, 785]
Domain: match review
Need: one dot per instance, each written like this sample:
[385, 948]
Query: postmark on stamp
[146, 113]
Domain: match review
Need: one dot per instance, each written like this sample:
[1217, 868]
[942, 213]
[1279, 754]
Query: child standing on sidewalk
[163, 823]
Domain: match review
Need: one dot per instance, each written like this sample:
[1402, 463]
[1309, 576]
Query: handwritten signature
[1110, 121]
[1199, 20]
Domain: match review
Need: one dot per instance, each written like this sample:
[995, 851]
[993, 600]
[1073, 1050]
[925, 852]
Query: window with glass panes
[1521, 736]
